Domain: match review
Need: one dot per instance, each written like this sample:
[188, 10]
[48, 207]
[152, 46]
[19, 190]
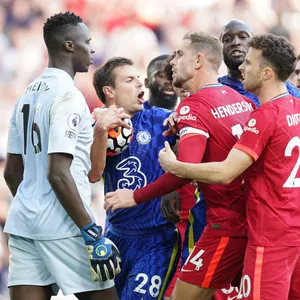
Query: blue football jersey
[146, 105]
[138, 166]
[238, 86]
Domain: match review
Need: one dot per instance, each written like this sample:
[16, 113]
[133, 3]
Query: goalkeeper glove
[103, 254]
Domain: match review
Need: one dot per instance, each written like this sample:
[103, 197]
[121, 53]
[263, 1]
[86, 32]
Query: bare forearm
[67, 193]
[98, 155]
[223, 172]
[211, 173]
[13, 184]
[13, 172]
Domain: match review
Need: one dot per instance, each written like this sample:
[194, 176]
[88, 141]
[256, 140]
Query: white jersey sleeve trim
[190, 130]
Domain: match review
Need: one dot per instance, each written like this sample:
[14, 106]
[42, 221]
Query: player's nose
[172, 61]
[241, 67]
[139, 83]
[236, 41]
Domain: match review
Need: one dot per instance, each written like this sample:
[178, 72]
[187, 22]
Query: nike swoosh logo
[232, 298]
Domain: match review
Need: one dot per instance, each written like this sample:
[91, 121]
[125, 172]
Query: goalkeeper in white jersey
[53, 240]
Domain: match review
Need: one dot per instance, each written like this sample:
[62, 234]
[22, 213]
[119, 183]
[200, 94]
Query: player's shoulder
[214, 92]
[157, 112]
[266, 111]
[232, 91]
[60, 83]
[192, 99]
[231, 82]
[193, 104]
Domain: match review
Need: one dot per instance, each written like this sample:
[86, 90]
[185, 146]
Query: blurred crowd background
[137, 29]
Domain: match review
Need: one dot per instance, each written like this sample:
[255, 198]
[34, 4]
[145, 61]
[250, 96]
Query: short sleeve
[65, 117]
[191, 117]
[14, 143]
[257, 131]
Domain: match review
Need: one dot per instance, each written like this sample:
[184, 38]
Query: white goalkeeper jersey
[50, 117]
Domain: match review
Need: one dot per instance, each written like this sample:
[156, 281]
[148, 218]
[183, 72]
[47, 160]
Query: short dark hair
[203, 41]
[151, 65]
[277, 52]
[298, 57]
[168, 68]
[105, 76]
[59, 25]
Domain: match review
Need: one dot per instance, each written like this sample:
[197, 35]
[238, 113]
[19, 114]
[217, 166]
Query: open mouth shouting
[140, 97]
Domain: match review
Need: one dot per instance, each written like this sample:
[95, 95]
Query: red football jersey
[271, 137]
[218, 113]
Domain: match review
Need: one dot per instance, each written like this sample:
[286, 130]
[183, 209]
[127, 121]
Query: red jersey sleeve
[191, 117]
[257, 131]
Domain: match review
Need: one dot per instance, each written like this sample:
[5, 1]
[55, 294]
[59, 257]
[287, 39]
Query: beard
[232, 64]
[161, 99]
[253, 87]
[178, 82]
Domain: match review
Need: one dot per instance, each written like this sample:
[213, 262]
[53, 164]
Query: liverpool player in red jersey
[269, 153]
[210, 122]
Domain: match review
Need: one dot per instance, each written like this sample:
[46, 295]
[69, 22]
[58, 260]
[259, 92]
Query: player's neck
[154, 101]
[200, 81]
[59, 64]
[270, 91]
[234, 74]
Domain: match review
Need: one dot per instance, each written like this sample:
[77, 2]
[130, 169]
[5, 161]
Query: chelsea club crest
[143, 137]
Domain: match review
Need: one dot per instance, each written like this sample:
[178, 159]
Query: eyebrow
[238, 32]
[131, 77]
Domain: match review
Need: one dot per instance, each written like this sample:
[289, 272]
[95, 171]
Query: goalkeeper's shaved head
[68, 42]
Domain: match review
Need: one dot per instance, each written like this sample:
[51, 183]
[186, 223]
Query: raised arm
[106, 119]
[222, 172]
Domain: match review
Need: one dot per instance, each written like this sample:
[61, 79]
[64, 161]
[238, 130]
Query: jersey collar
[279, 96]
[59, 73]
[211, 85]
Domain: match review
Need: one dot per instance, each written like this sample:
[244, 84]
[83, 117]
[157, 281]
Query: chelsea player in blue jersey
[235, 37]
[149, 244]
[161, 91]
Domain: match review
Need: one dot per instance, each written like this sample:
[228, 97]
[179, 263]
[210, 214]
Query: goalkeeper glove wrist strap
[91, 232]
